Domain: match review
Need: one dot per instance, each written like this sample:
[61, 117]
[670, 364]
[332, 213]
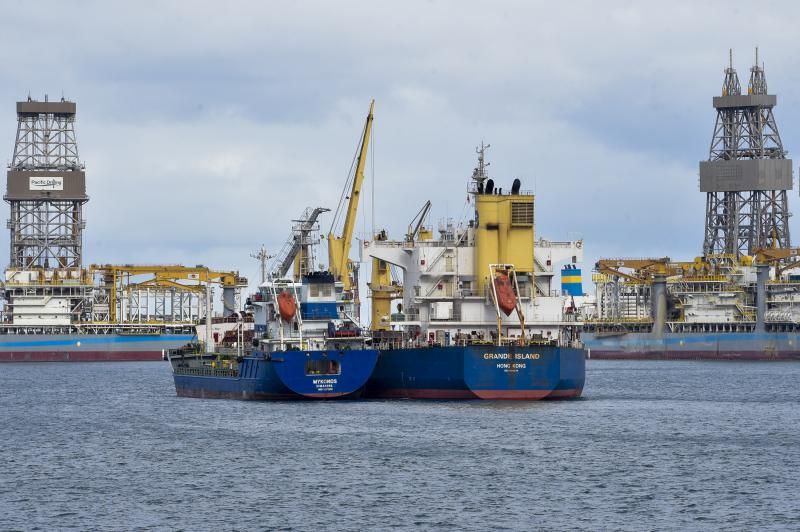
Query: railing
[206, 372]
[555, 244]
[405, 316]
[619, 320]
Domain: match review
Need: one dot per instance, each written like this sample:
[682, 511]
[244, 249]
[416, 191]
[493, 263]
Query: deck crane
[339, 261]
[417, 224]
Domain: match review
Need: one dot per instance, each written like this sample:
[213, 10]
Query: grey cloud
[206, 127]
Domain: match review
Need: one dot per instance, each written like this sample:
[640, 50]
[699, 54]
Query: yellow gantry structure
[339, 247]
[643, 269]
[782, 258]
[383, 291]
[163, 276]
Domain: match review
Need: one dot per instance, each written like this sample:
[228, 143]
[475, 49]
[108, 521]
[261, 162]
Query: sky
[206, 127]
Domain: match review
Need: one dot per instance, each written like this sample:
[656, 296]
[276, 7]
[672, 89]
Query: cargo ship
[308, 342]
[739, 300]
[477, 313]
[55, 309]
[310, 350]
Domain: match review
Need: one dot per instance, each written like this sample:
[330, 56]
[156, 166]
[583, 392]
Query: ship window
[314, 290]
[521, 213]
[323, 367]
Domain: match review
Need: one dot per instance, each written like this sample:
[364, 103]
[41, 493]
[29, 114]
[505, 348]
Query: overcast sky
[206, 126]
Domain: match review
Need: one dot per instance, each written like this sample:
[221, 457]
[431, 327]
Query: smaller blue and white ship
[307, 341]
[309, 349]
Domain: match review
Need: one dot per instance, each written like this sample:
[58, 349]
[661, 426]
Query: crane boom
[643, 269]
[339, 247]
[416, 223]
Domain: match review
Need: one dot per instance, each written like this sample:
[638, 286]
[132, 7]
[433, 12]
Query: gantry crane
[642, 269]
[117, 277]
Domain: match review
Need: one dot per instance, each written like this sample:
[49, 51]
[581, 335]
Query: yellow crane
[642, 269]
[383, 288]
[163, 276]
[783, 258]
[339, 247]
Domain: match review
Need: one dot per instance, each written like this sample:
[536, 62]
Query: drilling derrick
[46, 188]
[747, 174]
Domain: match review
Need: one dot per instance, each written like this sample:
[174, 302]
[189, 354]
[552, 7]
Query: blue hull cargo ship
[276, 376]
[476, 314]
[478, 372]
[316, 354]
[308, 342]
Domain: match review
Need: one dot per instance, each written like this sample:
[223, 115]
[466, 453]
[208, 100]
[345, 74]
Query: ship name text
[507, 356]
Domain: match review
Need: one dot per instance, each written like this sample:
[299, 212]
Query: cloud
[207, 127]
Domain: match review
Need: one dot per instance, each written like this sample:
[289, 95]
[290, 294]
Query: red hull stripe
[520, 395]
[694, 355]
[565, 394]
[405, 393]
[432, 393]
[79, 356]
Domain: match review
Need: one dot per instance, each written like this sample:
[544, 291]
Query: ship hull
[281, 376]
[479, 372]
[694, 346]
[88, 347]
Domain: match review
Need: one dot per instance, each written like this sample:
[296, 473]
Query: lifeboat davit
[506, 298]
[286, 305]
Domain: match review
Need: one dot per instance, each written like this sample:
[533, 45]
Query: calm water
[653, 445]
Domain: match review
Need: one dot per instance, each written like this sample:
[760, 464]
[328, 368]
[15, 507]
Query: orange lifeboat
[286, 305]
[506, 298]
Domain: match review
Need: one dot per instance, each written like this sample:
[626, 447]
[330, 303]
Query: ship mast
[262, 257]
[479, 175]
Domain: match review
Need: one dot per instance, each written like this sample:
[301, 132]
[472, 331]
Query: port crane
[642, 269]
[116, 278]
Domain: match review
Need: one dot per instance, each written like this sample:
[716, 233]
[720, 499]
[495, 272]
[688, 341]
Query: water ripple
[660, 445]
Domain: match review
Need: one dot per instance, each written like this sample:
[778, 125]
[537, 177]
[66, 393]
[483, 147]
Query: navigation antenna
[262, 257]
[479, 174]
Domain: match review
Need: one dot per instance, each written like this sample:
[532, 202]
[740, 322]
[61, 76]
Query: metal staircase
[299, 238]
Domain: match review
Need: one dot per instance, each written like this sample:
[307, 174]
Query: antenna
[262, 257]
